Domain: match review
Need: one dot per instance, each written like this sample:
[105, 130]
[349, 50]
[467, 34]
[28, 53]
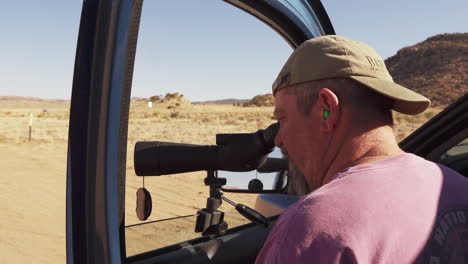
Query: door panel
[239, 245]
[97, 131]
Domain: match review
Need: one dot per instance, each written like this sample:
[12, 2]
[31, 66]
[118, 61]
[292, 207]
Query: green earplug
[326, 114]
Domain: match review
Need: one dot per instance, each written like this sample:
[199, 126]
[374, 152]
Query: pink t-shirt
[390, 211]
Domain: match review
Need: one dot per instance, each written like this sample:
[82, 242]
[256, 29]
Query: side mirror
[270, 177]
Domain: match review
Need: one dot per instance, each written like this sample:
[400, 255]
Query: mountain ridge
[436, 67]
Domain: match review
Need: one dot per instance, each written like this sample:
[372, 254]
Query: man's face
[298, 133]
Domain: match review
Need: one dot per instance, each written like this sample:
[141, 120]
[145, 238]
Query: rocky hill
[436, 67]
[170, 100]
[261, 100]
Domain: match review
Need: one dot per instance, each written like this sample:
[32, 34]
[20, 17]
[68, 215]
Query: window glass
[189, 52]
[459, 149]
[457, 157]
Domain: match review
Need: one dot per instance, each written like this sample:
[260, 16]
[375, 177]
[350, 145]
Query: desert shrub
[175, 115]
[172, 95]
[155, 98]
[231, 122]
[43, 114]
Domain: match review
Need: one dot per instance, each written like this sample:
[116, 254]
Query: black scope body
[232, 152]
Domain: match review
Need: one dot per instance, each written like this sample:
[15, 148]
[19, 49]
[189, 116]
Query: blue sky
[204, 49]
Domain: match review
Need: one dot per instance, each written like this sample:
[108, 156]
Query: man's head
[331, 94]
[338, 57]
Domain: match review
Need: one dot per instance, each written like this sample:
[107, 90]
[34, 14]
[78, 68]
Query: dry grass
[195, 124]
[33, 178]
[404, 125]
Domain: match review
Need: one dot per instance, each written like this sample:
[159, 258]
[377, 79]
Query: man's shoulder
[316, 224]
[308, 210]
[322, 211]
[305, 232]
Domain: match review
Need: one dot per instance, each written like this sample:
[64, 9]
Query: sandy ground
[32, 202]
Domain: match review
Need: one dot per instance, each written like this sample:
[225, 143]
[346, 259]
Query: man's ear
[329, 106]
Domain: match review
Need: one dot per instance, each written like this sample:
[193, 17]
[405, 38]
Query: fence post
[30, 125]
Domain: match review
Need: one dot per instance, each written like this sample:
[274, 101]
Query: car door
[97, 147]
[444, 138]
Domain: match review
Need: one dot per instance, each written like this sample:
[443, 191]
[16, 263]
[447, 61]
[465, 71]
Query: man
[370, 201]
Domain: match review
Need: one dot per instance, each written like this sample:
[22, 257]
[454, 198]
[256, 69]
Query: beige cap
[334, 56]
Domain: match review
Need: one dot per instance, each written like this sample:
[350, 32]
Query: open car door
[96, 166]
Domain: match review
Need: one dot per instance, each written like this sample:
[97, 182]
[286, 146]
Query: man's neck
[374, 146]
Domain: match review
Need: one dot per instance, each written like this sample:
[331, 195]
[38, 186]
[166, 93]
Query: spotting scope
[232, 152]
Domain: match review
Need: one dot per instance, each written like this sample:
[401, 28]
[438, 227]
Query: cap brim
[406, 101]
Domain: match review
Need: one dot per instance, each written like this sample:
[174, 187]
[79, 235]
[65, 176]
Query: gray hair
[349, 92]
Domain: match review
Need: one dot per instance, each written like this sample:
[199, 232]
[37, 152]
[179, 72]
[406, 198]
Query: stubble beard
[297, 183]
[285, 152]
